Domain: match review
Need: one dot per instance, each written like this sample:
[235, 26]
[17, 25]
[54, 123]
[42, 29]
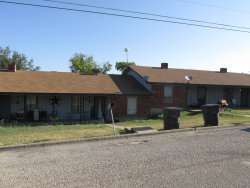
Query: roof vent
[223, 70]
[164, 65]
[95, 71]
[12, 68]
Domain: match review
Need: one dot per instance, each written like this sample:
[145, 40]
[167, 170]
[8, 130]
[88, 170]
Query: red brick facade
[144, 104]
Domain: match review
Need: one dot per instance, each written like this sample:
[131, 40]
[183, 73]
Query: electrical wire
[215, 6]
[119, 15]
[146, 14]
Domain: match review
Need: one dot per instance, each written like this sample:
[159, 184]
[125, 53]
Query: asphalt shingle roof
[40, 82]
[200, 77]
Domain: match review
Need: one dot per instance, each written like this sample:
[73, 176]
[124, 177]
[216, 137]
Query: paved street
[205, 159]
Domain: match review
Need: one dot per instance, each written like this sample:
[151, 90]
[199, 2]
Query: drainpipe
[25, 110]
[80, 108]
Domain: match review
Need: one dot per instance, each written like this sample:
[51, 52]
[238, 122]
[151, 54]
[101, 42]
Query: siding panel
[214, 94]
[14, 103]
[237, 95]
[62, 109]
[191, 94]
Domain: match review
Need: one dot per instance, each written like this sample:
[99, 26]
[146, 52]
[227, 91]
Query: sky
[51, 36]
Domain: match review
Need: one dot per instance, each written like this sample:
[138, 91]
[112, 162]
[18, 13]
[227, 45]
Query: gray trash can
[211, 114]
[171, 117]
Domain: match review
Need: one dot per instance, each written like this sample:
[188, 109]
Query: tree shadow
[194, 113]
[123, 131]
[237, 123]
[246, 130]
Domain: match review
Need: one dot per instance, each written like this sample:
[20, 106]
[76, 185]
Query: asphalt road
[205, 159]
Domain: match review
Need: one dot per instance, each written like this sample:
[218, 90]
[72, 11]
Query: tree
[105, 68]
[81, 63]
[5, 60]
[121, 66]
[19, 59]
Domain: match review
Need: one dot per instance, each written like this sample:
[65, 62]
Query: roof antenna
[145, 78]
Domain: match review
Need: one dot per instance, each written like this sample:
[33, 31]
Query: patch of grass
[20, 134]
[191, 119]
[240, 111]
[10, 135]
[188, 119]
[228, 119]
[40, 140]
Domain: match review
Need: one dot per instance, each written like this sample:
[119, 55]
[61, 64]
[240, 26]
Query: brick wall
[144, 104]
[120, 109]
[178, 97]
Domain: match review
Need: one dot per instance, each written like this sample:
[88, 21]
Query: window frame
[77, 111]
[168, 94]
[131, 109]
[29, 102]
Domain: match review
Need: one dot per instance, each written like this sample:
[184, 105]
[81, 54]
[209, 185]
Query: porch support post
[80, 108]
[25, 109]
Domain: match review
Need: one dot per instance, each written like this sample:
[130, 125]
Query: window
[168, 93]
[31, 102]
[76, 104]
[132, 105]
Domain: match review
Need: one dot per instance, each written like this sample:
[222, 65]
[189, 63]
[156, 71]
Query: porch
[58, 108]
[48, 122]
[235, 96]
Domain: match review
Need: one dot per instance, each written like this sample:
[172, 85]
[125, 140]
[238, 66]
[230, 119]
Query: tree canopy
[121, 66]
[81, 63]
[19, 59]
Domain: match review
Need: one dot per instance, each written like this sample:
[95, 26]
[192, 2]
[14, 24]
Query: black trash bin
[211, 114]
[171, 117]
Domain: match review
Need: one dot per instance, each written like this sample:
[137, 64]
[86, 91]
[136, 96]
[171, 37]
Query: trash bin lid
[210, 105]
[171, 108]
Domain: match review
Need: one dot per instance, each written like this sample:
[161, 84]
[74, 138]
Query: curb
[127, 136]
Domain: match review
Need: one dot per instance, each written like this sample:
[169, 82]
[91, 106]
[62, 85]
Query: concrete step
[142, 129]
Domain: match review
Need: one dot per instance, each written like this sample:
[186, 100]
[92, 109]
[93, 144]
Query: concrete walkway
[139, 129]
[116, 126]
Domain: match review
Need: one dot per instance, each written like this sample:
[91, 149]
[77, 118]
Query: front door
[202, 95]
[244, 97]
[5, 106]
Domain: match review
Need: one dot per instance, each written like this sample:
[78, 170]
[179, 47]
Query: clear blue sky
[51, 36]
